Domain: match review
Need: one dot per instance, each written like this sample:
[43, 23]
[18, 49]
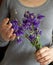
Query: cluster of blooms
[30, 23]
[18, 30]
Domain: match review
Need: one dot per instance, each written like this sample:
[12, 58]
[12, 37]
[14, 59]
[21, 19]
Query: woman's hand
[6, 30]
[44, 56]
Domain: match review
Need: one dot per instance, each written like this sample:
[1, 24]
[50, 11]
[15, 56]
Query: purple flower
[39, 16]
[15, 25]
[30, 23]
[26, 14]
[14, 22]
[40, 32]
[19, 32]
[32, 16]
[19, 40]
[31, 37]
[26, 24]
[36, 23]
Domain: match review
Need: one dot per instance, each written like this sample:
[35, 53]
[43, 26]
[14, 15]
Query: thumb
[5, 21]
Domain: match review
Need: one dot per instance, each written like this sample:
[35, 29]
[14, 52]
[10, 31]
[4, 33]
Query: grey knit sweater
[23, 54]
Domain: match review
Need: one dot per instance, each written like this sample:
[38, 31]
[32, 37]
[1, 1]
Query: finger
[44, 54]
[41, 51]
[9, 26]
[48, 61]
[10, 32]
[42, 60]
[13, 37]
[5, 21]
[42, 64]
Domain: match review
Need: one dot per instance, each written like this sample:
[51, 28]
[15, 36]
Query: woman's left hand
[44, 56]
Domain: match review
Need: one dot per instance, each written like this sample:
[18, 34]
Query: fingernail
[12, 30]
[11, 24]
[15, 34]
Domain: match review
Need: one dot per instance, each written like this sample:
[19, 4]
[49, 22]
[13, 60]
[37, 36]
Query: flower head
[31, 23]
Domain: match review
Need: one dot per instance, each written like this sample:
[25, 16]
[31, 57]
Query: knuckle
[46, 58]
[8, 34]
[6, 19]
[13, 37]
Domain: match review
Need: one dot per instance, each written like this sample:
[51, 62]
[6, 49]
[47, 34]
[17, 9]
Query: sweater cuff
[3, 42]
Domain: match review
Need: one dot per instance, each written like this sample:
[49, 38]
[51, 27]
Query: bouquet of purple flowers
[30, 28]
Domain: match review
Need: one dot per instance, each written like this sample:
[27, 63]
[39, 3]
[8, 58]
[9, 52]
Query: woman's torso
[22, 54]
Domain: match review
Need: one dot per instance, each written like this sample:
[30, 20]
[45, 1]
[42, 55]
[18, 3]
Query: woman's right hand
[6, 30]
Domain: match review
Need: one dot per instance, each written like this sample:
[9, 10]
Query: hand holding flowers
[44, 56]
